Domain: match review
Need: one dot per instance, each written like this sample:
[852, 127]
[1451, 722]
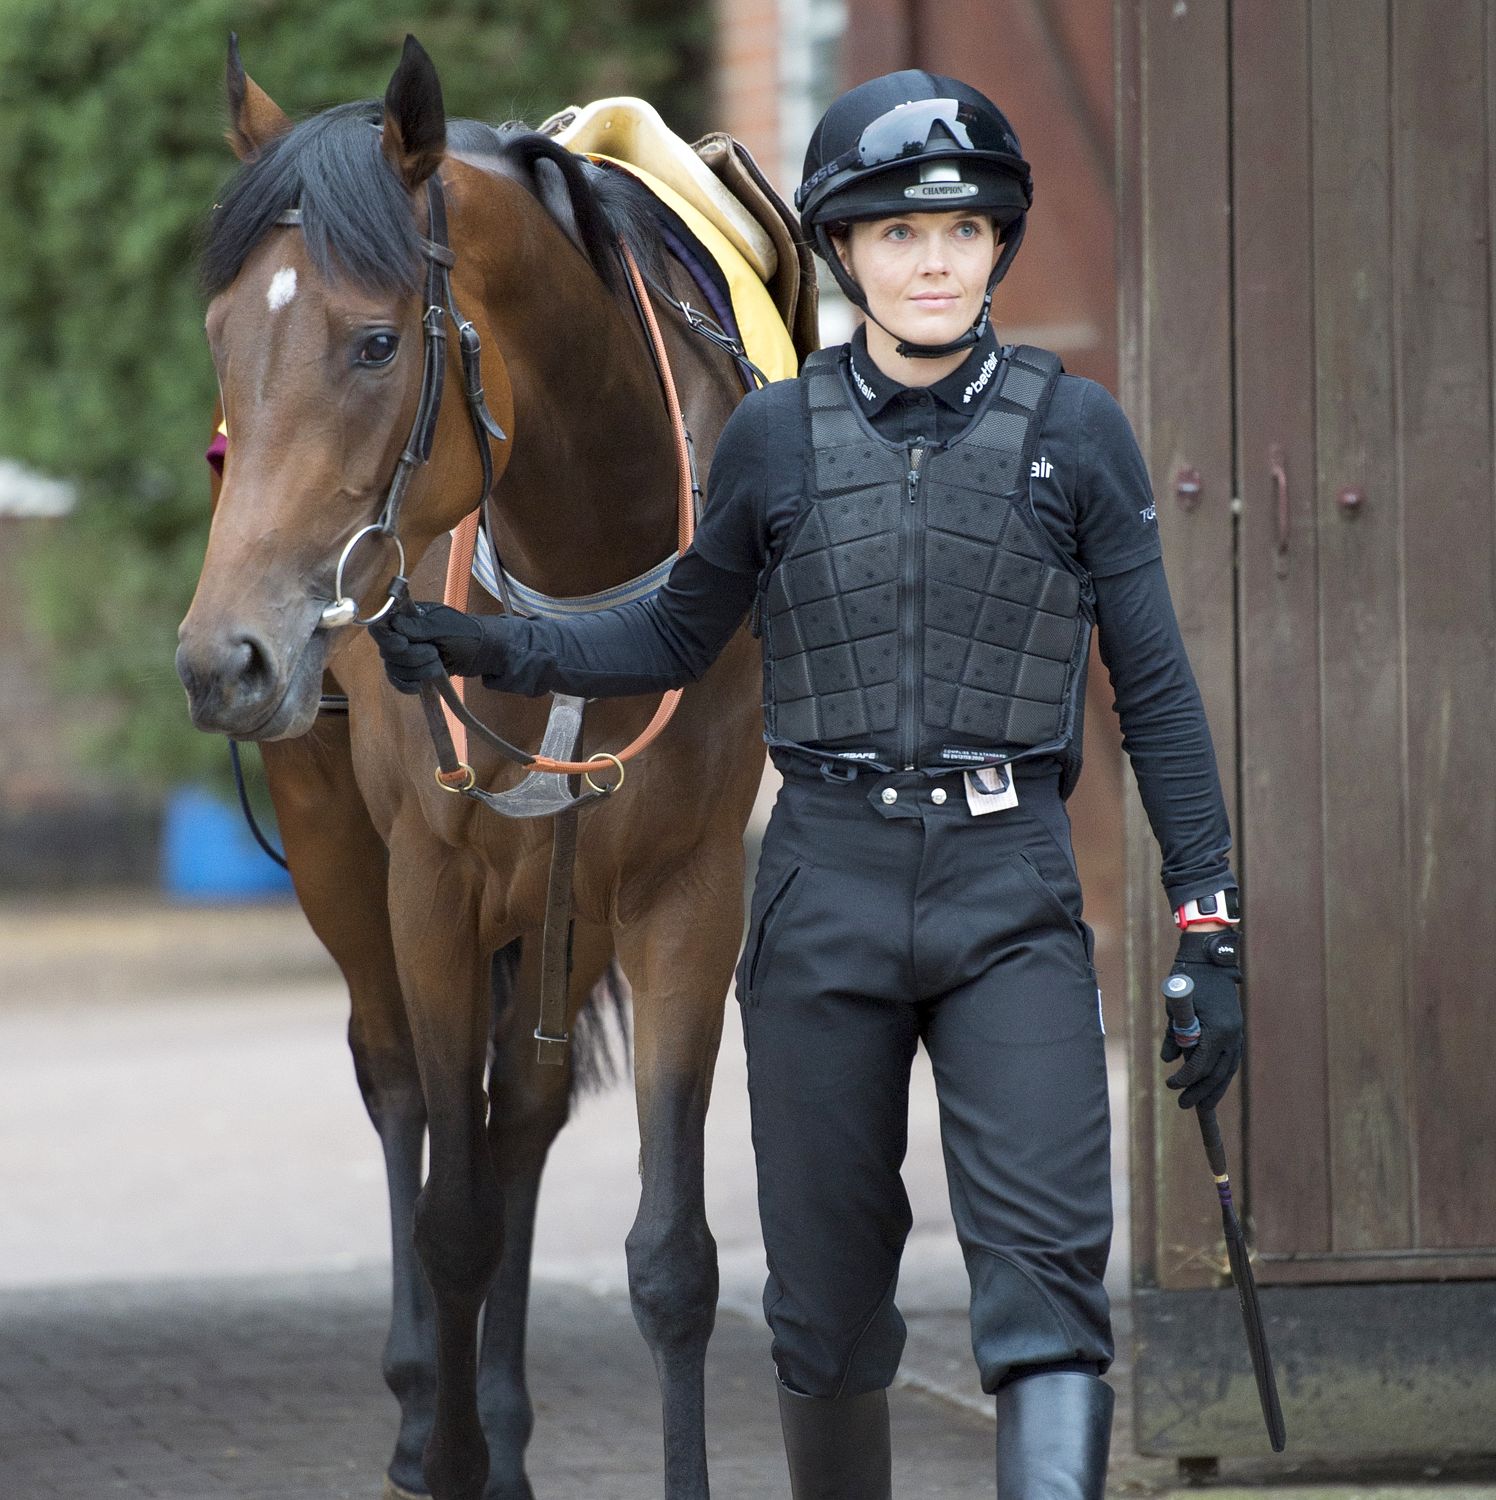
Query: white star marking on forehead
[282, 288]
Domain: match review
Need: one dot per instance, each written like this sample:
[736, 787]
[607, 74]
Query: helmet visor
[906, 131]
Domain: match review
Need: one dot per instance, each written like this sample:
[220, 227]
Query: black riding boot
[837, 1446]
[1053, 1432]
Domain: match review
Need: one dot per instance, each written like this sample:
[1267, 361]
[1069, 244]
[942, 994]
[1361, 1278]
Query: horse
[432, 906]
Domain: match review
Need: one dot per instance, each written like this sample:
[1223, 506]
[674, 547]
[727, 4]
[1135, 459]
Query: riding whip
[1178, 990]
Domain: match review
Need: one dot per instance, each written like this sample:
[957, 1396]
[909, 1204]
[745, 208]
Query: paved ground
[192, 1262]
[268, 1389]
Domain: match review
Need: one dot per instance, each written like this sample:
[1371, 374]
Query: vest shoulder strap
[821, 359]
[1005, 433]
[1009, 424]
[1031, 377]
[843, 456]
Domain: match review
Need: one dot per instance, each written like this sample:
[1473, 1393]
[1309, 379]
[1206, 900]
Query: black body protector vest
[920, 617]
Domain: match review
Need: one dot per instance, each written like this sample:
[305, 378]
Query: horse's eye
[378, 349]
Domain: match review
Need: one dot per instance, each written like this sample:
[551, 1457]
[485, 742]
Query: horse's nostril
[229, 679]
[250, 663]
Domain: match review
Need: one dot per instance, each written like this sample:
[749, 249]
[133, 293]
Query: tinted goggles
[905, 131]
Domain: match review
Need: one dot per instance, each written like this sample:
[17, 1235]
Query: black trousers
[879, 922]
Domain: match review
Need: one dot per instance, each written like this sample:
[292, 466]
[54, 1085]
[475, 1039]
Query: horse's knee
[526, 1118]
[459, 1236]
[397, 1110]
[383, 1056]
[673, 1280]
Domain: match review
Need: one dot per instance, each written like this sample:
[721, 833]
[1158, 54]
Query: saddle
[718, 177]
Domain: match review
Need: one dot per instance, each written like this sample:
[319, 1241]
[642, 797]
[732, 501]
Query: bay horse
[431, 905]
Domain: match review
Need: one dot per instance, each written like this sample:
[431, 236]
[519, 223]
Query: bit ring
[343, 610]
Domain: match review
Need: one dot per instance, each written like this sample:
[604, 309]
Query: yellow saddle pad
[631, 134]
[766, 340]
[632, 131]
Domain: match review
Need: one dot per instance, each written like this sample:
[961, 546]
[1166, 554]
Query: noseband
[440, 305]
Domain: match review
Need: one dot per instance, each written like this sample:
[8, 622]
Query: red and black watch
[1223, 906]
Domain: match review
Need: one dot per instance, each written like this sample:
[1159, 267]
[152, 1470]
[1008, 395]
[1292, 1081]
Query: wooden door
[1307, 289]
[1368, 675]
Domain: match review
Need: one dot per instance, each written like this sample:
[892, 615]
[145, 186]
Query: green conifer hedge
[111, 152]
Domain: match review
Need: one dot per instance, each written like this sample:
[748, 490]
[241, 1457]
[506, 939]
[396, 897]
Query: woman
[926, 524]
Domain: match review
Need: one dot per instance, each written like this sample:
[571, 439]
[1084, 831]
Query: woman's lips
[935, 301]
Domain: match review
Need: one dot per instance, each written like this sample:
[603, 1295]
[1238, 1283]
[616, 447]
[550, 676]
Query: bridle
[453, 774]
[440, 305]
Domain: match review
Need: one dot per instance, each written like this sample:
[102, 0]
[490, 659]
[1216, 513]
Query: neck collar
[962, 390]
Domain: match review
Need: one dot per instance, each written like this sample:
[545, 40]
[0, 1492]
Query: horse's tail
[602, 1035]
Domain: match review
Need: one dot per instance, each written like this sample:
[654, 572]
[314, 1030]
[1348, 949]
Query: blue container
[208, 853]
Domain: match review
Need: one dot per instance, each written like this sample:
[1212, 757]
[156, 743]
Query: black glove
[1212, 960]
[421, 640]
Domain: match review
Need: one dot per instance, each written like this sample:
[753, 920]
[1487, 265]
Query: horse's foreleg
[679, 957]
[338, 863]
[444, 974]
[528, 1106]
[384, 1063]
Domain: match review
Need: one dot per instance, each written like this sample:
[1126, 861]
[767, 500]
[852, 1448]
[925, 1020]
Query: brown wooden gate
[1306, 226]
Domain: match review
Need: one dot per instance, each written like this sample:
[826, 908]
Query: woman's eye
[378, 349]
[898, 230]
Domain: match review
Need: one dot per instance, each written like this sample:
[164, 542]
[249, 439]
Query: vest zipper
[910, 707]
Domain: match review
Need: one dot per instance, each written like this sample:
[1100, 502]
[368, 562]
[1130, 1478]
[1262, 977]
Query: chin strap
[972, 336]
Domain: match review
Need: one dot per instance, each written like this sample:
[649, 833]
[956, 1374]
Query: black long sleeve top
[1090, 491]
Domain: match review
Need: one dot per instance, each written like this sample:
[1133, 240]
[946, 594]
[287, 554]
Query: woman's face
[924, 275]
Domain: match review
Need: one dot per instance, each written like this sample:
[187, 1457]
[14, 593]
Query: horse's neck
[589, 495]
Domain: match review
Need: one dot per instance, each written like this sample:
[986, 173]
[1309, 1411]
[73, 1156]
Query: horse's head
[315, 326]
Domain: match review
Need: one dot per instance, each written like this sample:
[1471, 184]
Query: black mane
[356, 214]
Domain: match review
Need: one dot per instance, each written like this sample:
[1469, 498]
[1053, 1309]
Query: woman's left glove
[1212, 960]
[421, 640]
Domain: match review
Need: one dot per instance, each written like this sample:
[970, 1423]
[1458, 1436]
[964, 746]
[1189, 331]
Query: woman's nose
[933, 256]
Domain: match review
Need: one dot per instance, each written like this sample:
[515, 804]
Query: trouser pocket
[768, 909]
[1060, 903]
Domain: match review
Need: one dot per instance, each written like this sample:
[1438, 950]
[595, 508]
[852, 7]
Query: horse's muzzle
[237, 684]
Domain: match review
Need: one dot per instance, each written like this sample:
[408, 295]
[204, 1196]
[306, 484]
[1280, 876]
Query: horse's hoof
[392, 1491]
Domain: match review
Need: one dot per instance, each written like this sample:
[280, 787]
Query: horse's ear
[414, 138]
[255, 119]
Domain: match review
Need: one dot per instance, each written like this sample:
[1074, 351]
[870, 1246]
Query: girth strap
[555, 955]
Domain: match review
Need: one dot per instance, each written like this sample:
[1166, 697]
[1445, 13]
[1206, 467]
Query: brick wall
[747, 66]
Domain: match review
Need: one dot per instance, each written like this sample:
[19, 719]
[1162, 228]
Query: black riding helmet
[913, 142]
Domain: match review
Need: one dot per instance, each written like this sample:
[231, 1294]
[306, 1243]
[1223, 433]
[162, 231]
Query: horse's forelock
[355, 212]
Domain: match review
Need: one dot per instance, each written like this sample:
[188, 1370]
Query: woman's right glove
[1212, 960]
[421, 639]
